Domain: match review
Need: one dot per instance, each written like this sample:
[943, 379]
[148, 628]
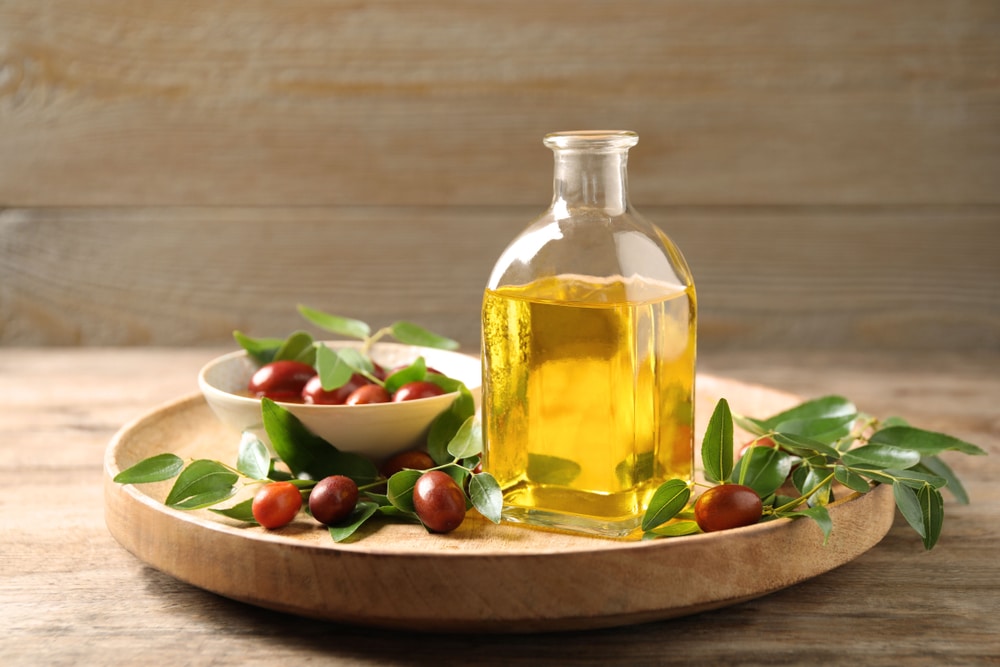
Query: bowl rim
[208, 388]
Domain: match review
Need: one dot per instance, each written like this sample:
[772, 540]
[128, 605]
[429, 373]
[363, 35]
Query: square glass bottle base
[612, 515]
[570, 522]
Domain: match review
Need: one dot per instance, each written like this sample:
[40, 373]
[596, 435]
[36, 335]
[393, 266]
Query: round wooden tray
[482, 577]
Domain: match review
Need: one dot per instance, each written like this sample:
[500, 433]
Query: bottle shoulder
[592, 243]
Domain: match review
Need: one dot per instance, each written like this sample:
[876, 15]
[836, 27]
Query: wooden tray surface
[482, 577]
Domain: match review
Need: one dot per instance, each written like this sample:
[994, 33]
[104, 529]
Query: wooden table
[70, 595]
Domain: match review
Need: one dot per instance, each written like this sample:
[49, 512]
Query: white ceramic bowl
[377, 430]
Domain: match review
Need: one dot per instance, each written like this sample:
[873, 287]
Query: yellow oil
[587, 398]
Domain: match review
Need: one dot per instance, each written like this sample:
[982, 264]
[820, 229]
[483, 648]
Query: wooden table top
[70, 595]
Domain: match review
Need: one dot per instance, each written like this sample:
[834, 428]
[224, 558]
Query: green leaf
[554, 470]
[400, 489]
[851, 479]
[415, 372]
[308, 355]
[803, 445]
[253, 459]
[297, 347]
[154, 469]
[363, 511]
[446, 425]
[486, 496]
[923, 509]
[240, 511]
[932, 511]
[675, 529]
[379, 499]
[306, 453]
[202, 483]
[260, 350]
[343, 326]
[915, 478]
[875, 475]
[818, 408]
[412, 334]
[276, 474]
[450, 385]
[468, 441]
[909, 507]
[396, 513]
[826, 429]
[880, 457]
[755, 427]
[356, 360]
[669, 498]
[459, 473]
[717, 446]
[333, 371]
[296, 445]
[935, 466]
[779, 500]
[763, 469]
[928, 443]
[203, 500]
[812, 483]
[470, 462]
[355, 466]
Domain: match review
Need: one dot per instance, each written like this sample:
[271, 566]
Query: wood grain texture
[70, 595]
[312, 102]
[780, 277]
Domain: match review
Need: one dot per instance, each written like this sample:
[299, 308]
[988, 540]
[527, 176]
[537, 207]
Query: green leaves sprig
[335, 367]
[304, 458]
[807, 449]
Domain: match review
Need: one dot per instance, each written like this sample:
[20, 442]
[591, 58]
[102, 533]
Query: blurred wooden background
[170, 171]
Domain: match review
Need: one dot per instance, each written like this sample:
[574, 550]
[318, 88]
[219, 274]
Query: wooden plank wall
[170, 171]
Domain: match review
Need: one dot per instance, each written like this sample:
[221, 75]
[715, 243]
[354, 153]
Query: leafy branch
[335, 367]
[798, 455]
[303, 458]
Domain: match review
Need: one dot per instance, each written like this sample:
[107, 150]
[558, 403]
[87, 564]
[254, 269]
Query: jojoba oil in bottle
[589, 330]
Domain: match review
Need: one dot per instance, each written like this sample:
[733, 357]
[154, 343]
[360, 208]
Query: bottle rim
[591, 140]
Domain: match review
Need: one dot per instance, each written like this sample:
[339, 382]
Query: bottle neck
[591, 179]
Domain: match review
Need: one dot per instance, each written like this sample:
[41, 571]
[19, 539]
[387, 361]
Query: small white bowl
[377, 430]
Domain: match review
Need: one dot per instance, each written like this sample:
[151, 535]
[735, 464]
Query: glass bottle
[588, 352]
